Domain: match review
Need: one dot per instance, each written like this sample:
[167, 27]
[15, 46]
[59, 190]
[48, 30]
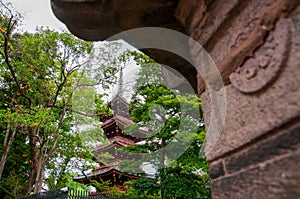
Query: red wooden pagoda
[112, 126]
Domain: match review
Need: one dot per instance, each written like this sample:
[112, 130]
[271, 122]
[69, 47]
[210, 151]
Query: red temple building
[112, 126]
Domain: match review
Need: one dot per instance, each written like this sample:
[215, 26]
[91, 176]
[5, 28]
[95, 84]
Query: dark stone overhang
[96, 20]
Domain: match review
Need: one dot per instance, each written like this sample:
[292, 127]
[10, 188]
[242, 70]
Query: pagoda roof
[119, 98]
[116, 141]
[118, 119]
[121, 140]
[104, 172]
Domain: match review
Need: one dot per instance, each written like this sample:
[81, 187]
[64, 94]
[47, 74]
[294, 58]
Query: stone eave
[94, 20]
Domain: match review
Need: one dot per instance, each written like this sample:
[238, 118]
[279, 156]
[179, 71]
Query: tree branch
[7, 192]
[6, 136]
[6, 56]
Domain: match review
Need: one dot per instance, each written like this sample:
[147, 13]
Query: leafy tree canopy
[49, 84]
[166, 114]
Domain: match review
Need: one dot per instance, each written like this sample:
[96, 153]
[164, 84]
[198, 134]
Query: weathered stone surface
[275, 179]
[253, 38]
[281, 143]
[232, 23]
[192, 14]
[216, 170]
[98, 20]
[250, 116]
[267, 61]
[212, 20]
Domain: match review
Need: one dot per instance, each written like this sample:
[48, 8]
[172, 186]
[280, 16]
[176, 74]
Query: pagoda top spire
[120, 106]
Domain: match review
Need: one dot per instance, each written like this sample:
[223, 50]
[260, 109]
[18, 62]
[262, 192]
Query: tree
[166, 115]
[39, 75]
[7, 25]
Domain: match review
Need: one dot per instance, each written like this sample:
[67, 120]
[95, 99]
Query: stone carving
[265, 64]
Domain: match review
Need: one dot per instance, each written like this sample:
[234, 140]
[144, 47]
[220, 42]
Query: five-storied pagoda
[112, 126]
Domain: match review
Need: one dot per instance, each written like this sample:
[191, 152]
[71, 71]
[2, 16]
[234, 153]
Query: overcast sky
[36, 13]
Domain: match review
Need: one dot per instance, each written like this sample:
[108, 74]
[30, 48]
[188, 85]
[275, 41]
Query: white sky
[36, 13]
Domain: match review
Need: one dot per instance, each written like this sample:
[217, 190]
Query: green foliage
[42, 74]
[150, 71]
[89, 107]
[105, 158]
[145, 187]
[102, 186]
[165, 112]
[71, 155]
[65, 181]
[187, 177]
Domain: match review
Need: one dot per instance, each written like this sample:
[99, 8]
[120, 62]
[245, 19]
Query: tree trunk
[32, 161]
[38, 177]
[7, 145]
[39, 180]
[36, 181]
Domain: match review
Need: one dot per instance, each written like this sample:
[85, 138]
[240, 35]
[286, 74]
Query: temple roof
[120, 99]
[116, 141]
[120, 121]
[104, 172]
[113, 130]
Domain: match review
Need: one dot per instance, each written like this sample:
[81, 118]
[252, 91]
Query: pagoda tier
[107, 173]
[112, 126]
[113, 149]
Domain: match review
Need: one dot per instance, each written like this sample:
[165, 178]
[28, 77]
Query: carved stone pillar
[256, 45]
